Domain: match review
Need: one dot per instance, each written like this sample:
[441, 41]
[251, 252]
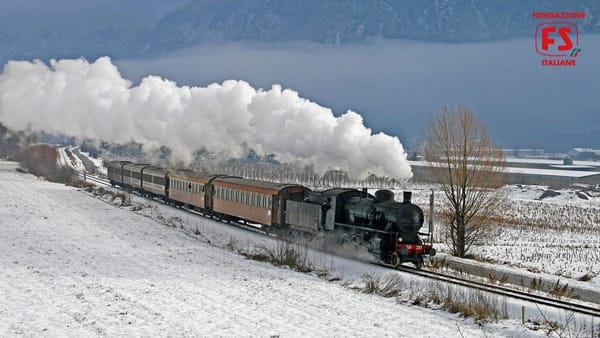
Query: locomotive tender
[386, 228]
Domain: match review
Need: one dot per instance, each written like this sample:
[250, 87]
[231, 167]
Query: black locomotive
[388, 229]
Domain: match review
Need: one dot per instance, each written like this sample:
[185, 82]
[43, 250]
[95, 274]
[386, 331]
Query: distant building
[536, 153]
[533, 172]
[586, 154]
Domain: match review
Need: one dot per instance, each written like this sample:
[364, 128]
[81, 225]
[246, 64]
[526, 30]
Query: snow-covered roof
[549, 161]
[551, 172]
[532, 171]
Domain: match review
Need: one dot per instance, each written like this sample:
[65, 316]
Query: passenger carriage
[155, 182]
[115, 172]
[132, 176]
[188, 188]
[253, 201]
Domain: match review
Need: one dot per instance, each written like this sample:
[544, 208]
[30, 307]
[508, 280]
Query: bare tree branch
[470, 170]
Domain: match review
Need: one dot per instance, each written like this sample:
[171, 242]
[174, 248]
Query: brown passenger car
[188, 188]
[254, 201]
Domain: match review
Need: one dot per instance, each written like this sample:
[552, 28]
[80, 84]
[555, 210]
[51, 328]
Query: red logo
[556, 38]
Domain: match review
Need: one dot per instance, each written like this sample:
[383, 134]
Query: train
[388, 229]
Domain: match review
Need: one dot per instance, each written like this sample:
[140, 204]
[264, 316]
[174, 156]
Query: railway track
[504, 291]
[94, 179]
[482, 286]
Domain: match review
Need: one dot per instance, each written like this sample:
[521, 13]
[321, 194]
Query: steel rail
[502, 290]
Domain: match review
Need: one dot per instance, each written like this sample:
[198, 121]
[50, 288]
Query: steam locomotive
[386, 228]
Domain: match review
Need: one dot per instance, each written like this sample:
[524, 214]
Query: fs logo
[557, 39]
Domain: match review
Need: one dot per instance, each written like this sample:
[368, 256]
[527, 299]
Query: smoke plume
[93, 100]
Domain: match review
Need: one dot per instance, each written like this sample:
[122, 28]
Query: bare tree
[469, 168]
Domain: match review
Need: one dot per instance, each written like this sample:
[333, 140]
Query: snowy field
[73, 265]
[555, 232]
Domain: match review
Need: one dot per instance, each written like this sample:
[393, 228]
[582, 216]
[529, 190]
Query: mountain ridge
[139, 29]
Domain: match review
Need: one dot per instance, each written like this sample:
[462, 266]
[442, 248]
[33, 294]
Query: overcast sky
[396, 85]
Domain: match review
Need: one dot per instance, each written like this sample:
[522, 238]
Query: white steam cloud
[93, 100]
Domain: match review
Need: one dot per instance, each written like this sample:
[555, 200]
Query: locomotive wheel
[395, 261]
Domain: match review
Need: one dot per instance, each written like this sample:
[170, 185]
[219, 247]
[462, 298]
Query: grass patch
[390, 286]
[283, 253]
[468, 303]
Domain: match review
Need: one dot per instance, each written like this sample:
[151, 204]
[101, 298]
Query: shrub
[285, 253]
[41, 160]
[390, 286]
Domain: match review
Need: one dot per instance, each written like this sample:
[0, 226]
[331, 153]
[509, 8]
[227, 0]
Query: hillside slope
[76, 266]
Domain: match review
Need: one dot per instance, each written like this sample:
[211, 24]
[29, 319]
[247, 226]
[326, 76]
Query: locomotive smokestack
[406, 197]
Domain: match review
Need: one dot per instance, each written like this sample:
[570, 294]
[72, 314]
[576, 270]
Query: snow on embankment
[74, 265]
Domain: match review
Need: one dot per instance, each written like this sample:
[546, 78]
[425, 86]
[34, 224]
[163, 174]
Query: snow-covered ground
[73, 265]
[98, 163]
[555, 232]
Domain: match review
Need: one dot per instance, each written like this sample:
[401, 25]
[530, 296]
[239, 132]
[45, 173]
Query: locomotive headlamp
[399, 239]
